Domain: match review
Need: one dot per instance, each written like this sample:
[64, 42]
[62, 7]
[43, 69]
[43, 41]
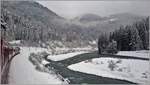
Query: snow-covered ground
[132, 70]
[64, 50]
[15, 42]
[142, 53]
[44, 62]
[64, 56]
[22, 71]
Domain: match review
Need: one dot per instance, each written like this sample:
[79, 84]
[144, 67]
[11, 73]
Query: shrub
[112, 65]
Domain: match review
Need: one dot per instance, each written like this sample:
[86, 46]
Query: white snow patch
[113, 19]
[22, 71]
[142, 53]
[44, 62]
[15, 42]
[132, 70]
[64, 56]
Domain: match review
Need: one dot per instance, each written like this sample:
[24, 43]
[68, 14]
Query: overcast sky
[71, 9]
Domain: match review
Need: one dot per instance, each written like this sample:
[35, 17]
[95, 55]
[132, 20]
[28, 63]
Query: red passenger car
[6, 54]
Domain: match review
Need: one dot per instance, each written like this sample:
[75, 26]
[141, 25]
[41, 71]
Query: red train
[7, 53]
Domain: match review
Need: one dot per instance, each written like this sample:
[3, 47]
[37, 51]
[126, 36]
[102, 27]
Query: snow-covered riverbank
[64, 56]
[22, 70]
[141, 54]
[126, 69]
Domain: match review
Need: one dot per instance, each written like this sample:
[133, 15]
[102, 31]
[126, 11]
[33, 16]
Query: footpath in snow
[22, 71]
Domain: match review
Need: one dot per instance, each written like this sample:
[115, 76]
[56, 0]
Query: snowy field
[15, 42]
[64, 56]
[137, 71]
[22, 70]
[143, 53]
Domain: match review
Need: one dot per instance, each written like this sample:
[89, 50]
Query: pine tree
[102, 42]
[143, 29]
[135, 42]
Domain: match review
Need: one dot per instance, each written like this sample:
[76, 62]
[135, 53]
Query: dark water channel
[75, 77]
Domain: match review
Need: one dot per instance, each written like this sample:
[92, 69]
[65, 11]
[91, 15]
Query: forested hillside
[127, 38]
[27, 20]
[33, 23]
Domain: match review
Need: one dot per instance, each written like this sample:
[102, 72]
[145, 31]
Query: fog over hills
[35, 23]
[72, 9]
[74, 42]
[89, 18]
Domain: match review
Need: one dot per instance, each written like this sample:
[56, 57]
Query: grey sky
[71, 9]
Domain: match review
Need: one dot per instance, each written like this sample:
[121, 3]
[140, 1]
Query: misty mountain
[122, 18]
[126, 18]
[89, 18]
[30, 21]
[109, 23]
